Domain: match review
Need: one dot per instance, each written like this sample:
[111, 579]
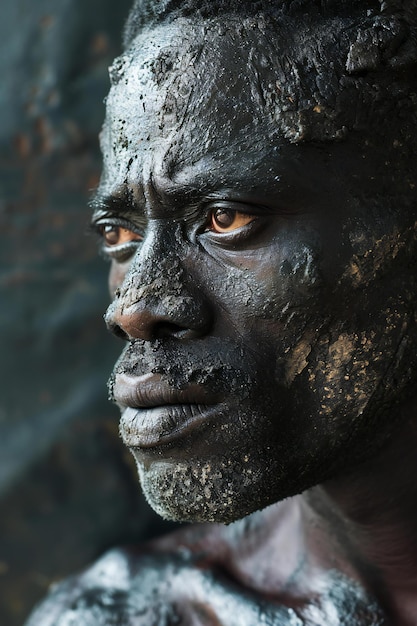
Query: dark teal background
[67, 487]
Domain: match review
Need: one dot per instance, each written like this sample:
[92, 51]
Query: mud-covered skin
[317, 287]
[300, 326]
[187, 579]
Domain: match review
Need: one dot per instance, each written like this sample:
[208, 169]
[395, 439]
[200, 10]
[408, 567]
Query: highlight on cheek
[223, 220]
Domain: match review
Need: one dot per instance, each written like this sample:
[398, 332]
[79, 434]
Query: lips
[154, 413]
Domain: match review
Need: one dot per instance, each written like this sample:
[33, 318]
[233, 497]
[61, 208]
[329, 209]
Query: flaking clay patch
[380, 253]
[344, 373]
[117, 70]
[298, 359]
[181, 365]
[214, 490]
[341, 350]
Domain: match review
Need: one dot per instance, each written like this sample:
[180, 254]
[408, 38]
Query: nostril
[129, 317]
[116, 329]
[119, 332]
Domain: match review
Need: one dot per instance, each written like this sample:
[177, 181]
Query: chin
[222, 492]
[195, 492]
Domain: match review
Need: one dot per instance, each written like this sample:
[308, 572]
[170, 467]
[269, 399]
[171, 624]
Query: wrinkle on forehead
[219, 96]
[190, 88]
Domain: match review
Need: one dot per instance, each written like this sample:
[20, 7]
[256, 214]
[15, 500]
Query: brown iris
[226, 220]
[116, 235]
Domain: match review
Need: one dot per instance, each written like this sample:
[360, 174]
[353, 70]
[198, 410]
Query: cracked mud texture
[66, 487]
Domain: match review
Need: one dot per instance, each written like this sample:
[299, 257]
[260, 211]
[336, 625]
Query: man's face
[253, 279]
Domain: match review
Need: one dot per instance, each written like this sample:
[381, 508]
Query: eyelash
[122, 252]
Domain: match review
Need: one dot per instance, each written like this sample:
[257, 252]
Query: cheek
[331, 343]
[270, 284]
[344, 372]
[116, 276]
[292, 282]
[356, 369]
[276, 300]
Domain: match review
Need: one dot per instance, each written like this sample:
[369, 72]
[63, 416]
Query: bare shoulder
[93, 597]
[123, 587]
[183, 587]
[185, 579]
[150, 589]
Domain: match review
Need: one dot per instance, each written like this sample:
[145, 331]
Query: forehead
[208, 95]
[182, 94]
[201, 86]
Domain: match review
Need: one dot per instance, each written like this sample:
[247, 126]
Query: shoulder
[183, 587]
[91, 598]
[144, 589]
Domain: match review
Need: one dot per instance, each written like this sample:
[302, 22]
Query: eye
[224, 220]
[117, 241]
[114, 235]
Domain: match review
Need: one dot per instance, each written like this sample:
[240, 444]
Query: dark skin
[263, 287]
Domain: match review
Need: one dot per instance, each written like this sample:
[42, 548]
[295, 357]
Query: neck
[369, 517]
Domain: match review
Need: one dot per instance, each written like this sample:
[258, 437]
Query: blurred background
[68, 489]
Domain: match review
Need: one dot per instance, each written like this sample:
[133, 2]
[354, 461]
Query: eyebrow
[123, 202]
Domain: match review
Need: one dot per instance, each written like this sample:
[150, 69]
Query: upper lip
[149, 390]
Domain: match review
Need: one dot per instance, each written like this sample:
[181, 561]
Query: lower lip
[155, 426]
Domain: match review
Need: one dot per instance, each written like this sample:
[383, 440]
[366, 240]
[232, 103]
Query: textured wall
[67, 489]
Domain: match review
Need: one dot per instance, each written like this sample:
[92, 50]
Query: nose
[158, 299]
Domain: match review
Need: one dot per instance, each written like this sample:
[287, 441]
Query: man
[258, 206]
